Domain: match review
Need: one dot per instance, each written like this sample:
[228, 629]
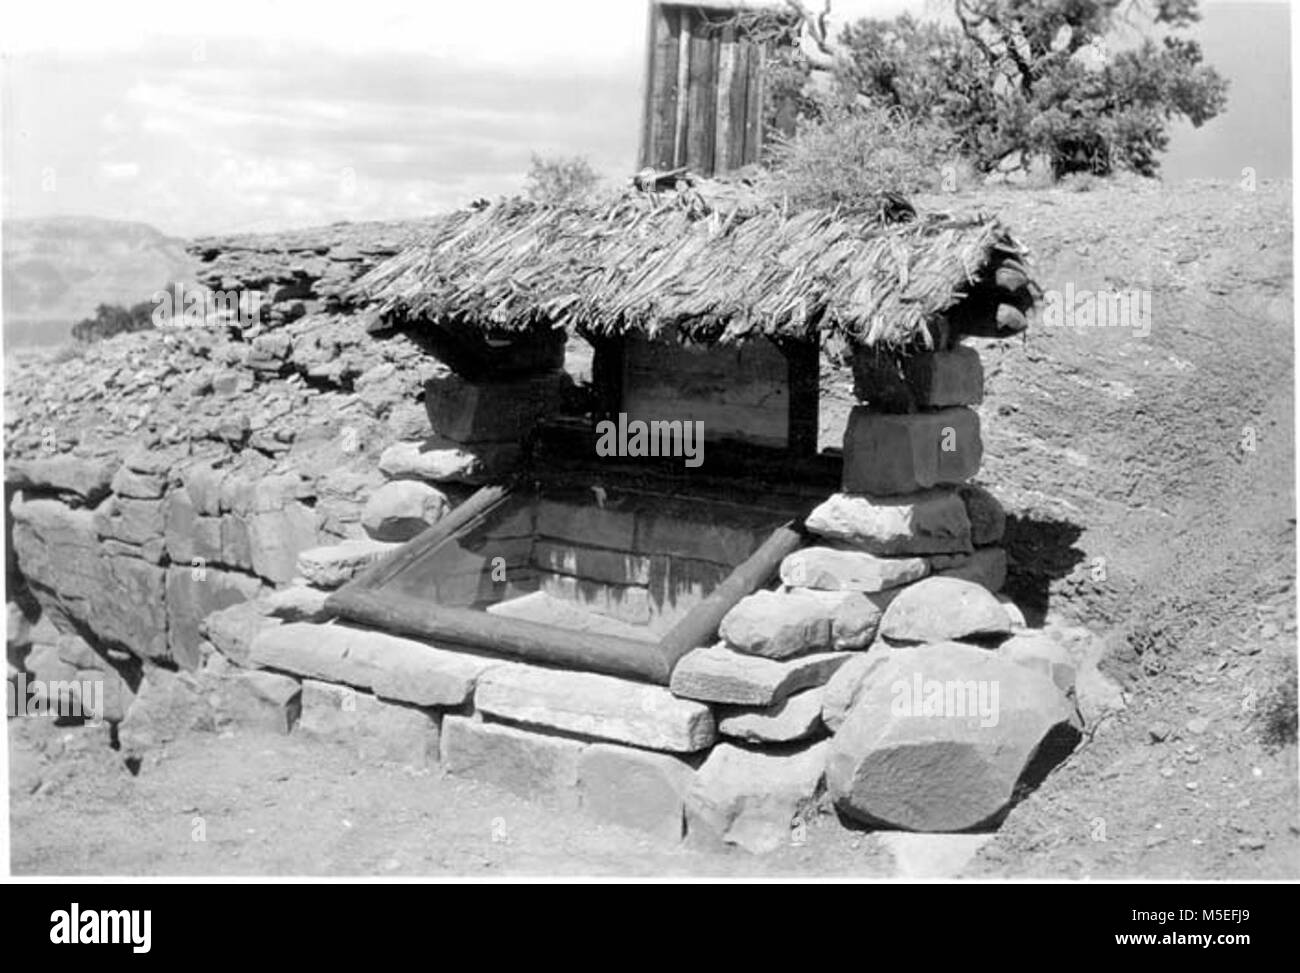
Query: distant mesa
[58, 269]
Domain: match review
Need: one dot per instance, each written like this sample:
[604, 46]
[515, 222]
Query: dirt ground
[1150, 481]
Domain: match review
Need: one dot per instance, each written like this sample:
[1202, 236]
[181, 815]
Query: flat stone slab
[943, 609]
[794, 718]
[753, 798]
[596, 705]
[376, 730]
[85, 477]
[524, 763]
[931, 522]
[636, 789]
[888, 453]
[395, 668]
[834, 569]
[337, 564]
[777, 624]
[718, 674]
[439, 460]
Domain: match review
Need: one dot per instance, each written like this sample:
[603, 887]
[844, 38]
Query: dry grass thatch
[718, 261]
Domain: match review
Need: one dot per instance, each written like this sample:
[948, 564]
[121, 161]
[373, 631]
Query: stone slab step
[394, 668]
[595, 705]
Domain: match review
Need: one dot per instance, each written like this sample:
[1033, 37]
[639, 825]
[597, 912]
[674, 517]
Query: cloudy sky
[270, 113]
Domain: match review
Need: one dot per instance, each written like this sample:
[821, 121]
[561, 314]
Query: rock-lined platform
[225, 551]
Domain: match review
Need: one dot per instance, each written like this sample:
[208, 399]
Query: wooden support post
[804, 359]
[606, 373]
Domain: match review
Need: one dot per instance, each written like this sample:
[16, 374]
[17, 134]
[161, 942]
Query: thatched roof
[717, 262]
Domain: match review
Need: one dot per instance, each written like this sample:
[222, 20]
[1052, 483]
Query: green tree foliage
[1041, 76]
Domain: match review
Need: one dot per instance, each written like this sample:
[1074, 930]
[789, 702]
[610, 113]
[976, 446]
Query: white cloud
[247, 120]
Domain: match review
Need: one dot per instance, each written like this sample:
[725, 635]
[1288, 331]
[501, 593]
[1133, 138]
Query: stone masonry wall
[158, 476]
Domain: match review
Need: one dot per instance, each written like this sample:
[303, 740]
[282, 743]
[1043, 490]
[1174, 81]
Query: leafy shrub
[850, 157]
[113, 319]
[1278, 708]
[560, 181]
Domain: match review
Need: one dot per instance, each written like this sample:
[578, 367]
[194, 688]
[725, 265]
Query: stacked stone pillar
[911, 447]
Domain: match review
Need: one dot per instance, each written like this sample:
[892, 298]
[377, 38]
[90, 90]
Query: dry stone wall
[157, 477]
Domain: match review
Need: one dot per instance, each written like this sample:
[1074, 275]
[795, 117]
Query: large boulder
[777, 625]
[399, 510]
[939, 736]
[939, 609]
[841, 690]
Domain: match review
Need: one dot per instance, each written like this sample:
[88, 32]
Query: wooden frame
[803, 362]
[364, 600]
